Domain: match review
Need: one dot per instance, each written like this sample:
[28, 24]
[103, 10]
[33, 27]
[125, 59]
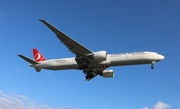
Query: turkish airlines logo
[105, 66]
[38, 57]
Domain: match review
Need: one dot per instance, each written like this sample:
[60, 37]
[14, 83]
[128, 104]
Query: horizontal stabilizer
[28, 59]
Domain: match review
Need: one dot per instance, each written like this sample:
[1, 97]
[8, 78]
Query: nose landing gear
[152, 64]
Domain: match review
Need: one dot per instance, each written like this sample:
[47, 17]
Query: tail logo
[37, 56]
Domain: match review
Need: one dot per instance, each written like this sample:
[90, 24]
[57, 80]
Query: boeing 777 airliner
[91, 63]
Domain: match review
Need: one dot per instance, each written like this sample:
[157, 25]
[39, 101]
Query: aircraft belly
[130, 60]
[62, 67]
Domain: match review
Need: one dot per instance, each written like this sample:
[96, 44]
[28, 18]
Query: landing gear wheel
[83, 67]
[152, 64]
[89, 75]
[152, 67]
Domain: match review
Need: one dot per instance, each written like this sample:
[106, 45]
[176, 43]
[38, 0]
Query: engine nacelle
[108, 73]
[100, 55]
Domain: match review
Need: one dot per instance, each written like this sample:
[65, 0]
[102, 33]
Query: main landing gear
[83, 63]
[89, 75]
[83, 66]
[152, 64]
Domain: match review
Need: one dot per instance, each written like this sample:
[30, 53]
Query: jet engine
[108, 73]
[100, 55]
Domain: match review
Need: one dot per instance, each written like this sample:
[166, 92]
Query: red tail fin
[38, 57]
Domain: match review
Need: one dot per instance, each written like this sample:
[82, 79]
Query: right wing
[72, 45]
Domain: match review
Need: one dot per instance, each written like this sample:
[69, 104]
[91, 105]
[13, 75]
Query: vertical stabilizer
[38, 57]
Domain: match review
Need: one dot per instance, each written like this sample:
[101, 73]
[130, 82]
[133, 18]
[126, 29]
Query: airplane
[91, 63]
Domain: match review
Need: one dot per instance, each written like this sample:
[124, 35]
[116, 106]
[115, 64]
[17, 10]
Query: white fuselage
[120, 59]
[91, 63]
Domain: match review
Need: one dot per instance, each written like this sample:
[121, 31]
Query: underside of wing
[90, 62]
[83, 55]
[71, 44]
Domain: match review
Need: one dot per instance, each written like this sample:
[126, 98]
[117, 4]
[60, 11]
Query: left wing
[72, 45]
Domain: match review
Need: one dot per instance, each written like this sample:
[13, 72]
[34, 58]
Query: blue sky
[115, 26]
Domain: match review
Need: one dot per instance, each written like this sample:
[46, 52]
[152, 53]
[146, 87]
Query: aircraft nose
[161, 57]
